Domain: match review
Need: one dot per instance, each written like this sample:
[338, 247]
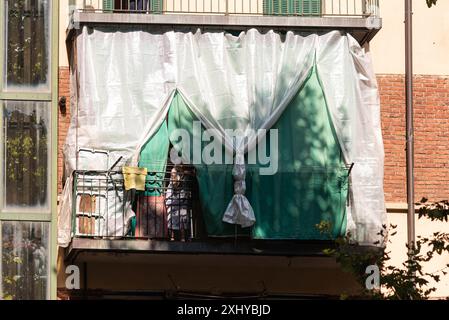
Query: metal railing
[101, 207]
[168, 208]
[322, 8]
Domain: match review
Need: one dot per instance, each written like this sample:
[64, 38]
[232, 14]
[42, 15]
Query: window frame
[48, 250]
[50, 96]
[42, 93]
[41, 105]
[155, 6]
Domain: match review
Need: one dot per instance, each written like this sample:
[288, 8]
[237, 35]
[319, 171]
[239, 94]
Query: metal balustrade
[320, 8]
[167, 208]
[103, 208]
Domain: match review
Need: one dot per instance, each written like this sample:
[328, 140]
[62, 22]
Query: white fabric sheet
[127, 78]
[351, 93]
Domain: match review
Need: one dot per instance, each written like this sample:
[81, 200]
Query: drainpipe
[409, 123]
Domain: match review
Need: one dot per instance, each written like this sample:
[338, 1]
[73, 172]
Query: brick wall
[63, 120]
[431, 112]
[431, 134]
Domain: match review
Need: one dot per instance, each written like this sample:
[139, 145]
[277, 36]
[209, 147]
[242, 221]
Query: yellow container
[134, 178]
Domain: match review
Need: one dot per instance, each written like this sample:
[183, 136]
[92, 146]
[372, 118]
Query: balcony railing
[320, 8]
[167, 209]
[102, 208]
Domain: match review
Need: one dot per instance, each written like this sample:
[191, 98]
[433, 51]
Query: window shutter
[267, 7]
[108, 5]
[283, 7]
[272, 7]
[156, 6]
[311, 7]
[292, 7]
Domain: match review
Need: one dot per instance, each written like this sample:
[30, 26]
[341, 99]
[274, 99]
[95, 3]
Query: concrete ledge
[399, 207]
[226, 20]
[221, 247]
[396, 207]
[364, 28]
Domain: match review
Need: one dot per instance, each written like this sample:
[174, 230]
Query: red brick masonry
[63, 120]
[431, 112]
[431, 134]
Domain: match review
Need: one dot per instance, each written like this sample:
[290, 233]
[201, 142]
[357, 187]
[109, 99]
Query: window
[27, 30]
[26, 132]
[154, 6]
[292, 7]
[24, 263]
[27, 140]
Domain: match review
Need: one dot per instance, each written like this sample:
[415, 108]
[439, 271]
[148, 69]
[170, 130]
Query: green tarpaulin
[311, 183]
[154, 157]
[309, 187]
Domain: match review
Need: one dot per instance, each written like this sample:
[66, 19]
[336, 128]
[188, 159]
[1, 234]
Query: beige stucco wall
[424, 228]
[64, 6]
[430, 38]
[63, 23]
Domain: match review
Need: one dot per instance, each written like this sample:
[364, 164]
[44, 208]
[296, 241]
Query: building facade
[158, 269]
[209, 262]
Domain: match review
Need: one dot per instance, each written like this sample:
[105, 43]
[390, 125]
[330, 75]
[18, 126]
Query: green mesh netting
[309, 187]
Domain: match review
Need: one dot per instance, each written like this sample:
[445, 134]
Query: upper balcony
[359, 17]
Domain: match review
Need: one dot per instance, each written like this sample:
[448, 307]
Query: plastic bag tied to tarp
[239, 210]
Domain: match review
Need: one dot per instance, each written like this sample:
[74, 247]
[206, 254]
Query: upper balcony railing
[314, 8]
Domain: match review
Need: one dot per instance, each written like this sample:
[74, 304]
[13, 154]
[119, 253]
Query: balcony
[359, 17]
[166, 217]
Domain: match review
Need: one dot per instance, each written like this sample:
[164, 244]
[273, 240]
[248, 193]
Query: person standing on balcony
[178, 200]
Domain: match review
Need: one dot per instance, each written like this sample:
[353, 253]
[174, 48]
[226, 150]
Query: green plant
[24, 270]
[9, 260]
[407, 282]
[25, 161]
[431, 3]
[27, 43]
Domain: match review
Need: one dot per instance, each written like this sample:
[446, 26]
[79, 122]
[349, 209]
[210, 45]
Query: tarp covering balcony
[310, 185]
[127, 81]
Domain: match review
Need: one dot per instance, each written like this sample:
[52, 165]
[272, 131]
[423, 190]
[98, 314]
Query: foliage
[439, 211]
[20, 146]
[26, 46]
[9, 260]
[431, 3]
[408, 282]
[26, 158]
[24, 264]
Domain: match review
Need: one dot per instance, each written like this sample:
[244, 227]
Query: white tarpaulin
[126, 79]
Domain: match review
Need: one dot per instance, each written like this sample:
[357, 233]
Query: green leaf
[17, 260]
